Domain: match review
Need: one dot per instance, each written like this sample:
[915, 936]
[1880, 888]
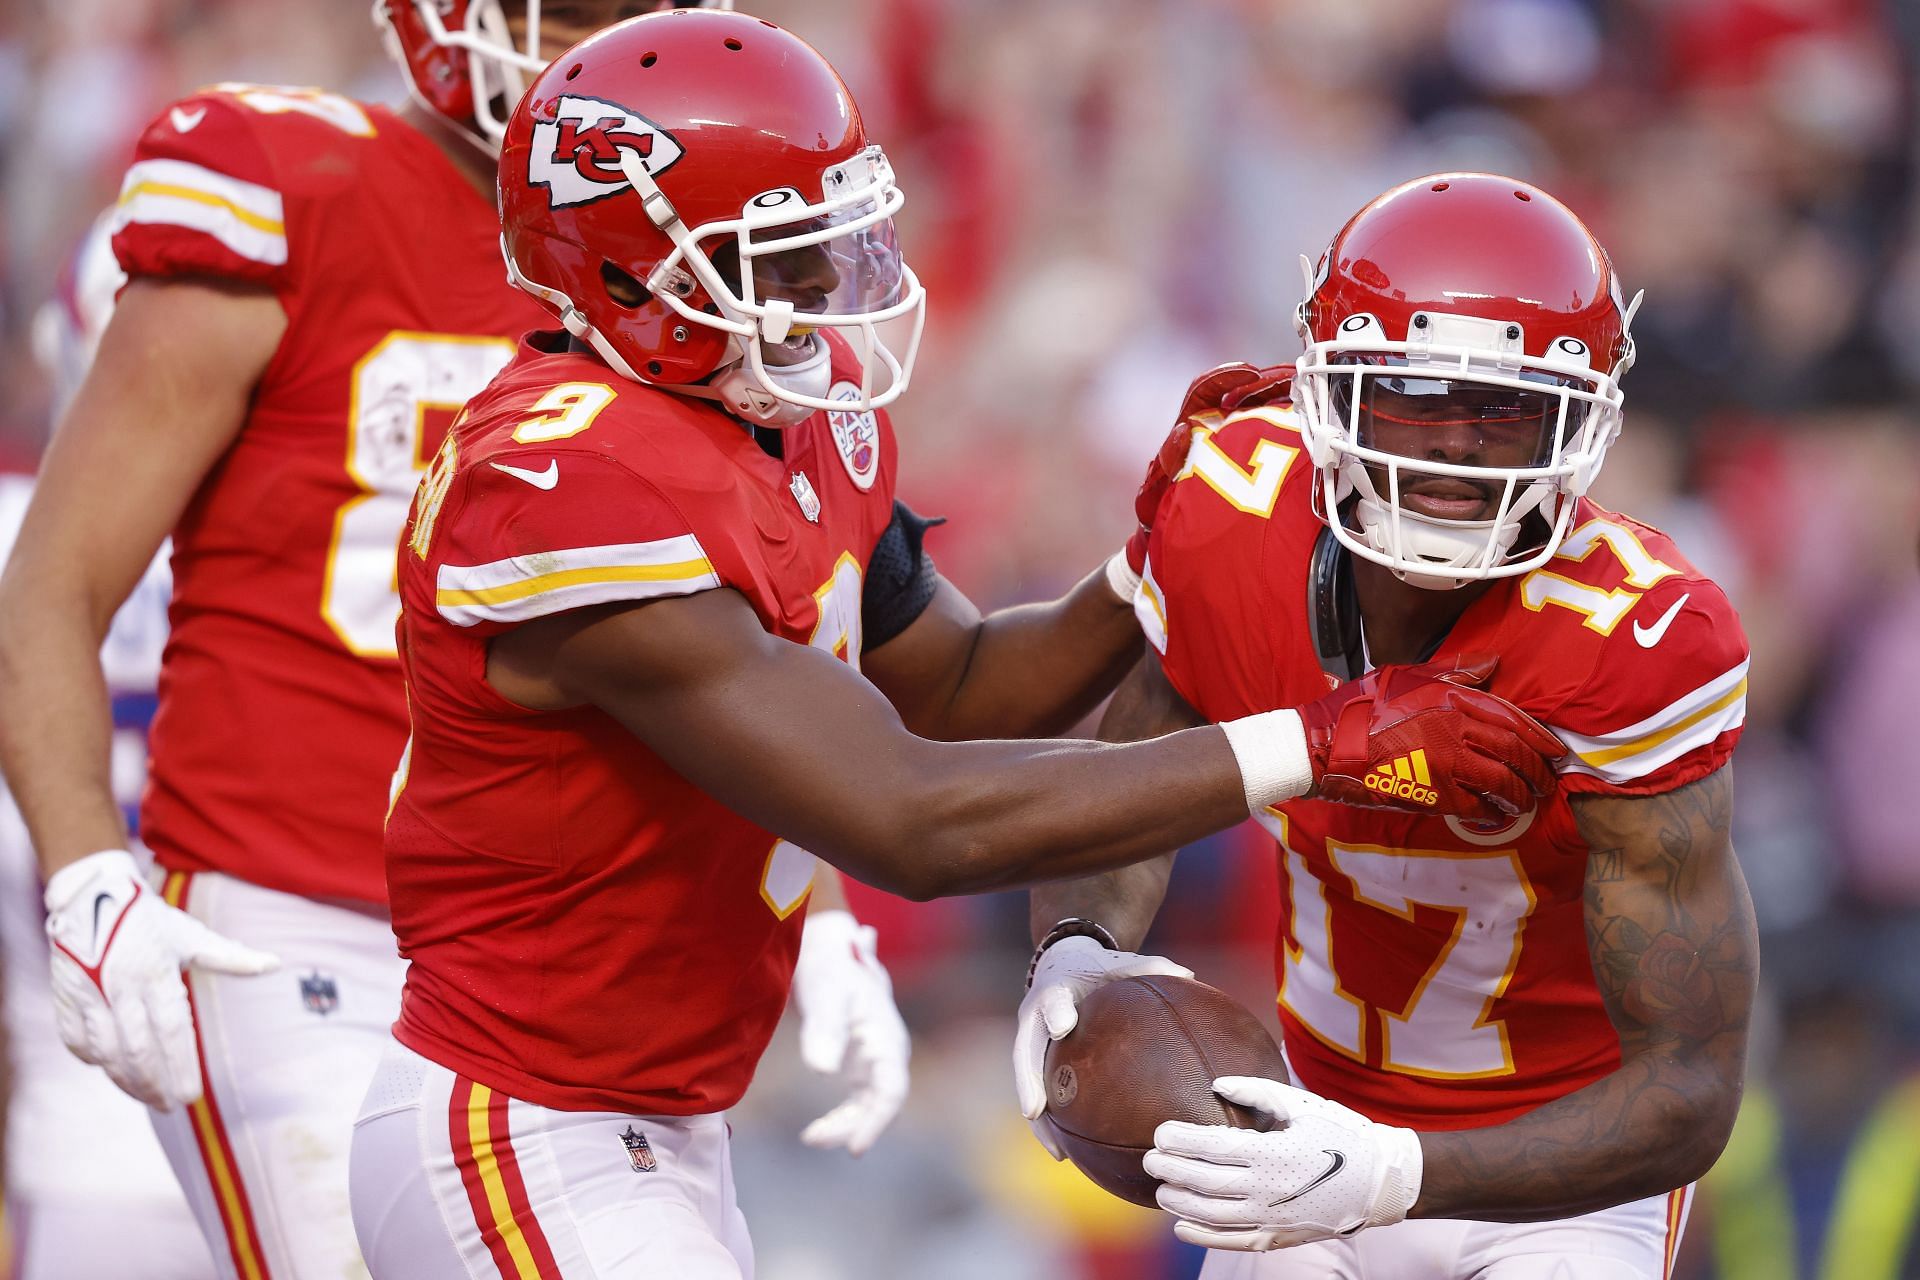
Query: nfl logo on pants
[638, 1151]
[319, 993]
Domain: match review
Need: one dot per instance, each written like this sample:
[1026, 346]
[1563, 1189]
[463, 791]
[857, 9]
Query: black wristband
[1071, 927]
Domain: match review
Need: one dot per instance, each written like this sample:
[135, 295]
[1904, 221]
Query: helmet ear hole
[623, 289]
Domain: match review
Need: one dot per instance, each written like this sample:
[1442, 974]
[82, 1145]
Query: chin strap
[743, 391]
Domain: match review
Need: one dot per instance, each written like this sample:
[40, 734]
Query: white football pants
[456, 1181]
[287, 1057]
[1633, 1241]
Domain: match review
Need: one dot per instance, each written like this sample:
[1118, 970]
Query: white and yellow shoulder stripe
[536, 585]
[247, 218]
[1684, 725]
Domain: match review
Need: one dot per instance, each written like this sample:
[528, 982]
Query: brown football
[1147, 1050]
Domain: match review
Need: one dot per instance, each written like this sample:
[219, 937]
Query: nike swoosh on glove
[1067, 971]
[1323, 1171]
[850, 1027]
[118, 996]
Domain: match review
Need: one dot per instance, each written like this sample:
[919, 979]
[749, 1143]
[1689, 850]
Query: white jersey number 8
[394, 386]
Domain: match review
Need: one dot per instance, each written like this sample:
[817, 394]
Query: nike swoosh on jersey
[538, 479]
[1334, 1166]
[187, 121]
[1650, 636]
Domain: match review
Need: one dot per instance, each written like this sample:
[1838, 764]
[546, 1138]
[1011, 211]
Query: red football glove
[1225, 389]
[1425, 740]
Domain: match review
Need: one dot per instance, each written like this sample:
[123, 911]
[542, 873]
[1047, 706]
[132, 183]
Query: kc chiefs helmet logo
[576, 155]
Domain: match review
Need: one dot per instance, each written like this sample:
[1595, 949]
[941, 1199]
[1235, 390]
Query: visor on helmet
[1516, 420]
[835, 260]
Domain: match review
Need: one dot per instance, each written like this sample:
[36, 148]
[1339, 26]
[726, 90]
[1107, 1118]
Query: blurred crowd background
[1107, 196]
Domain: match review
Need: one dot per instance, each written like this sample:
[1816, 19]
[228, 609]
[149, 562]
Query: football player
[316, 286]
[1525, 1037]
[642, 580]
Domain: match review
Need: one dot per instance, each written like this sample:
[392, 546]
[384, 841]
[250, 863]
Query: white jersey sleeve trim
[1150, 609]
[247, 218]
[548, 582]
[1685, 725]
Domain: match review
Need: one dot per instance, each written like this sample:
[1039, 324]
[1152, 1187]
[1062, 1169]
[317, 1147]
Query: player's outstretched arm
[1019, 672]
[800, 743]
[166, 395]
[1671, 931]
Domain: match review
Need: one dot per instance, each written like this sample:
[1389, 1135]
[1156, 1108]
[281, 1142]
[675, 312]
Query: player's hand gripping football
[1062, 976]
[850, 1027]
[119, 999]
[1426, 740]
[1322, 1170]
[1225, 389]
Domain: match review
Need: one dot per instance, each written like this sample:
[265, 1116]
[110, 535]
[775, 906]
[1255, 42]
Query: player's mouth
[797, 346]
[1448, 498]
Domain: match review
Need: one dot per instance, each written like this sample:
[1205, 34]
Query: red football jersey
[587, 930]
[281, 714]
[1434, 972]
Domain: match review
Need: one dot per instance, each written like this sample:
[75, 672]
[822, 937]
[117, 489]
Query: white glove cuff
[1403, 1163]
[1271, 749]
[70, 881]
[1121, 577]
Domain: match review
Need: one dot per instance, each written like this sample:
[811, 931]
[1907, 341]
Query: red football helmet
[671, 138]
[1465, 339]
[460, 59]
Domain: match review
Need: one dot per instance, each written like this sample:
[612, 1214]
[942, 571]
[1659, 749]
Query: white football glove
[849, 1027]
[118, 996]
[1324, 1171]
[1066, 972]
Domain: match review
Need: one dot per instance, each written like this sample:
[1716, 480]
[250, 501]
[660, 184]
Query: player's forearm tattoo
[1671, 934]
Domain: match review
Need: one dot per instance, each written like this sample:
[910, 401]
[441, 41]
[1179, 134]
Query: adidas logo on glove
[1406, 778]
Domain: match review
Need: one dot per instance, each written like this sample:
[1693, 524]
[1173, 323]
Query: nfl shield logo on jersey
[576, 156]
[804, 495]
[638, 1152]
[856, 434]
[320, 993]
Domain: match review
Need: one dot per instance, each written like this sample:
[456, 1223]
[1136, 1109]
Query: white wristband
[1272, 750]
[1121, 577]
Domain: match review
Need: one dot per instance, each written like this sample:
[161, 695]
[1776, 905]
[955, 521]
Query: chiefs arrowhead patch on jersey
[856, 434]
[576, 156]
